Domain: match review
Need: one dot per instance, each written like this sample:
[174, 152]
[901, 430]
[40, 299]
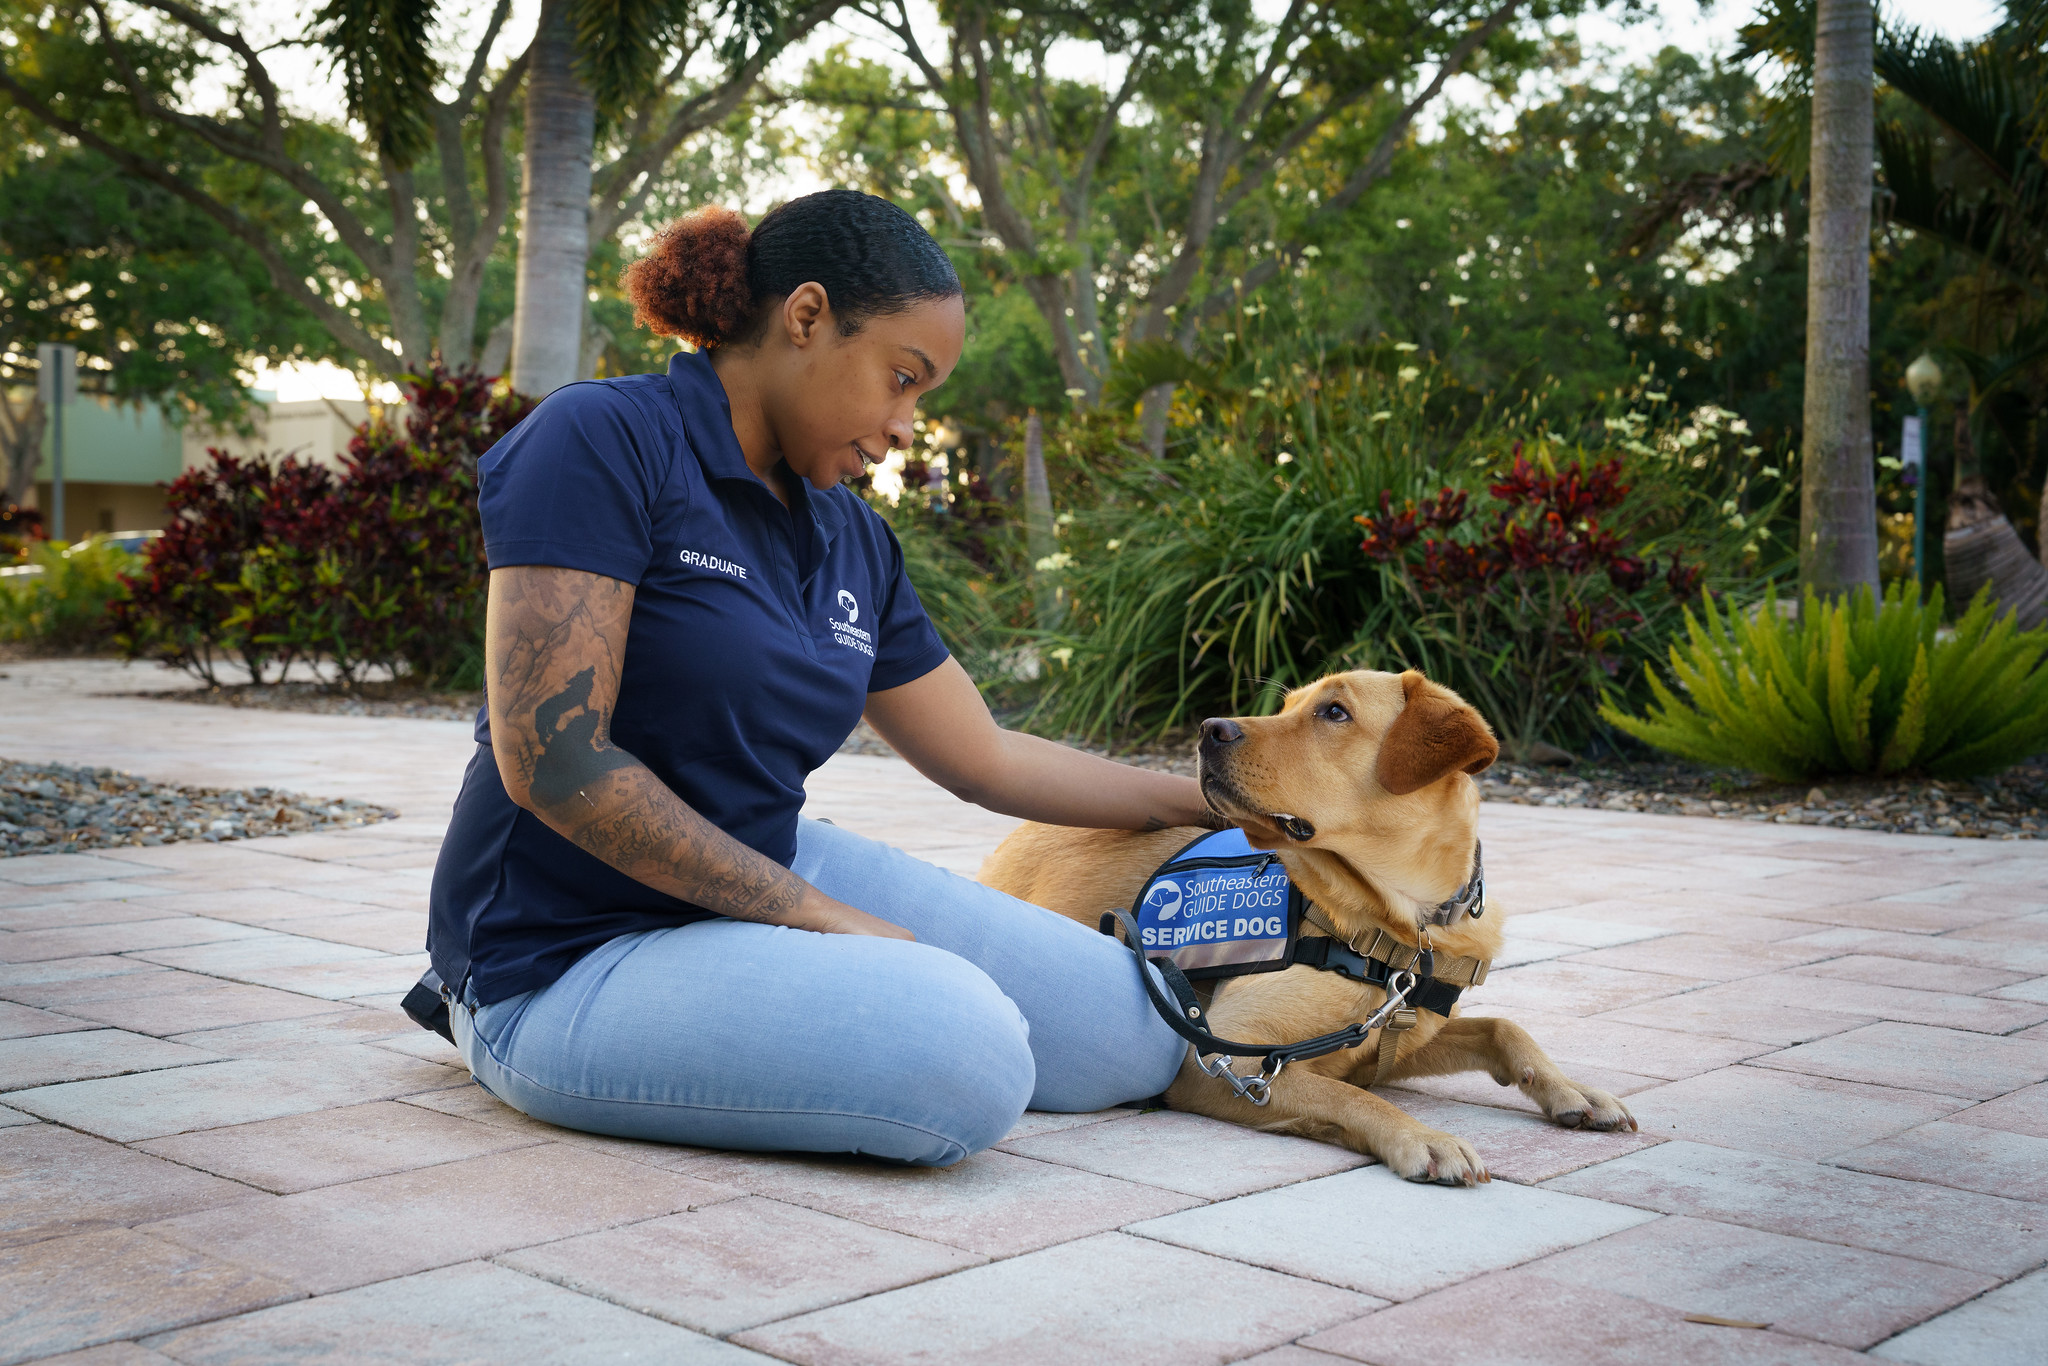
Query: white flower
[1077, 393]
[1405, 347]
[1382, 415]
[1768, 471]
[1739, 427]
[1284, 458]
[1064, 655]
[1087, 336]
[1407, 372]
[1064, 519]
[1255, 393]
[1311, 251]
[1757, 450]
[1114, 545]
[1055, 562]
[1458, 301]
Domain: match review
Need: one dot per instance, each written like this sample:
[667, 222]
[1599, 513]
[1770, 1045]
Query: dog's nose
[1220, 730]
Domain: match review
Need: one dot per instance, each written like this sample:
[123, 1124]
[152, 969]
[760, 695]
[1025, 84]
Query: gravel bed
[2009, 805]
[2012, 805]
[58, 809]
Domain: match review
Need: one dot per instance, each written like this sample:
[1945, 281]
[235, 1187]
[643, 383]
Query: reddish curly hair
[693, 283]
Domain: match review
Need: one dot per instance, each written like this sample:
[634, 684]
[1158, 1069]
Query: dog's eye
[1334, 711]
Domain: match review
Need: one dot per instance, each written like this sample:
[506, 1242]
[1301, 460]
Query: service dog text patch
[1219, 908]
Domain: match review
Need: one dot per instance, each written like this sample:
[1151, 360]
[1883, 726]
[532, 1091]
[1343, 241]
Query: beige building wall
[317, 430]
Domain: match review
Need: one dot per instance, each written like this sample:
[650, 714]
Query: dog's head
[1366, 772]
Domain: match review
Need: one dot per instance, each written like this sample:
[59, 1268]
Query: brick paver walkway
[222, 1143]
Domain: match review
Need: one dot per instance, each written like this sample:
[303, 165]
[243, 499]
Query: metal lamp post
[56, 386]
[1923, 381]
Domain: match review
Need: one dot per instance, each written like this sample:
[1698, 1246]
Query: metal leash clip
[1256, 1089]
[1397, 994]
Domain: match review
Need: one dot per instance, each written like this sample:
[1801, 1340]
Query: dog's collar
[1469, 899]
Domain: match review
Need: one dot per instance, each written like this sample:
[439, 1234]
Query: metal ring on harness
[1185, 1018]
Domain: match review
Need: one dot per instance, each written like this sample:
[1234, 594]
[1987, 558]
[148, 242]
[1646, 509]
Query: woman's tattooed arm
[555, 644]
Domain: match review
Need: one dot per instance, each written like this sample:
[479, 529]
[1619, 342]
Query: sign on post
[1913, 449]
[57, 387]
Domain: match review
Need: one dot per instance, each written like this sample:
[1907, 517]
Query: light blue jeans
[728, 1034]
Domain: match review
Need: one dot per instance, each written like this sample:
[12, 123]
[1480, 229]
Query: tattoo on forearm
[574, 752]
[556, 736]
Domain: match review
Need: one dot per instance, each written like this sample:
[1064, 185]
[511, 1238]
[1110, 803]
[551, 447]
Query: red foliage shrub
[1517, 593]
[381, 564]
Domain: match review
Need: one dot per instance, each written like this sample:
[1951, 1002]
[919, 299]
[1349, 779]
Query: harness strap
[1384, 948]
[1185, 1016]
[1333, 955]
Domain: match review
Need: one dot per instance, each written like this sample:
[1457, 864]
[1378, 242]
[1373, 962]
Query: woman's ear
[806, 313]
[1437, 733]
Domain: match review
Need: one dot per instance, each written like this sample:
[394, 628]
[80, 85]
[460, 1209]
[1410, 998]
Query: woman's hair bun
[693, 283]
[706, 274]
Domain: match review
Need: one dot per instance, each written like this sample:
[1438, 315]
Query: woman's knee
[967, 1074]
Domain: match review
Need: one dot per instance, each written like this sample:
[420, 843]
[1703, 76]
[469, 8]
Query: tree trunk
[554, 237]
[1152, 418]
[21, 433]
[1041, 542]
[1838, 502]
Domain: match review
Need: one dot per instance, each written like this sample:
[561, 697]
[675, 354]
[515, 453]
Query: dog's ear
[1435, 734]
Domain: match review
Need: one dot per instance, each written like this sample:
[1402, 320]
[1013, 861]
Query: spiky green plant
[1851, 688]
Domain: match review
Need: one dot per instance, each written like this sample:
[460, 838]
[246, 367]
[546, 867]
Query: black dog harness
[1219, 908]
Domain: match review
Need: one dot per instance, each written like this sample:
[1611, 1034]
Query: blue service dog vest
[1220, 908]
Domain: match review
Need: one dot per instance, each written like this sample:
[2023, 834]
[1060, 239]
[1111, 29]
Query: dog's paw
[1584, 1107]
[1430, 1156]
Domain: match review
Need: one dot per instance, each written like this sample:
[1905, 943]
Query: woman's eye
[904, 381]
[1335, 712]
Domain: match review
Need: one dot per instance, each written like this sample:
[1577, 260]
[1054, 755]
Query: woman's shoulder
[622, 398]
[605, 420]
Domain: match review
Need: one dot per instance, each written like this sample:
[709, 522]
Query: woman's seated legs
[732, 1035]
[1094, 1034]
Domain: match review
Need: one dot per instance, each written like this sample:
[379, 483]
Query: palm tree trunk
[554, 237]
[1838, 502]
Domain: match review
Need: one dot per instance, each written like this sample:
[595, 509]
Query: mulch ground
[58, 809]
[2009, 805]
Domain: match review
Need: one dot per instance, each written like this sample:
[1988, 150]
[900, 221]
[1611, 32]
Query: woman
[688, 614]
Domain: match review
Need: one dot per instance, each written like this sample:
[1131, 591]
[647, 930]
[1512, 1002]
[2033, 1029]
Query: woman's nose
[899, 433]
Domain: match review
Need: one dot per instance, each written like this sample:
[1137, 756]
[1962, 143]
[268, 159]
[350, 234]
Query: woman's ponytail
[709, 281]
[693, 283]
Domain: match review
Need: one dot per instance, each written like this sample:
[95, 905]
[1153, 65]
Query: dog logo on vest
[850, 606]
[1164, 900]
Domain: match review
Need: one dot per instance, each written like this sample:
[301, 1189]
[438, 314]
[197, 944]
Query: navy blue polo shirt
[757, 633]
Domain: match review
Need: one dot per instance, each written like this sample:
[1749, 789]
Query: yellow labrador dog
[1362, 786]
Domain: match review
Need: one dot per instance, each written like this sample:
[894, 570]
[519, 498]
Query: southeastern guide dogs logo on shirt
[845, 632]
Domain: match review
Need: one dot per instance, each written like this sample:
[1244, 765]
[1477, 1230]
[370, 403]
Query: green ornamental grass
[1851, 688]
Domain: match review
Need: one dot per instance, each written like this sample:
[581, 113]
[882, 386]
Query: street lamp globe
[1923, 379]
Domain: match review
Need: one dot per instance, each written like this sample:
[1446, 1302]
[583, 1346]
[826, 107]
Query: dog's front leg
[1505, 1051]
[1311, 1105]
